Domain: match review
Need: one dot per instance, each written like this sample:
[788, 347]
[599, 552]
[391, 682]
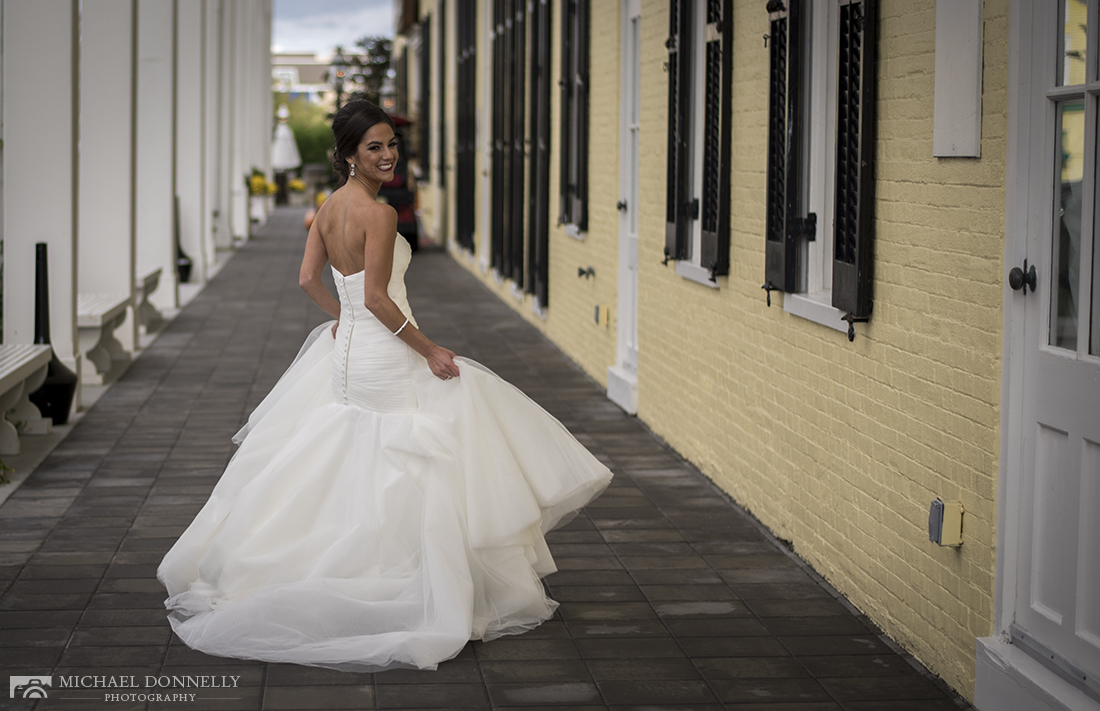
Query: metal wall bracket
[852, 320]
[768, 286]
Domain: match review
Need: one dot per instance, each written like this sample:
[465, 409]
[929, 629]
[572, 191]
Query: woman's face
[376, 156]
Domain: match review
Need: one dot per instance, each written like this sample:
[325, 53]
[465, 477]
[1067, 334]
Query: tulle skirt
[348, 538]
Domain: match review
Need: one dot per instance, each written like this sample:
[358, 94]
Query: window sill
[537, 309]
[816, 307]
[574, 231]
[695, 273]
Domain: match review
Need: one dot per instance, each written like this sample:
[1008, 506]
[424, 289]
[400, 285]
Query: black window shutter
[538, 202]
[519, 54]
[466, 148]
[785, 221]
[442, 96]
[401, 80]
[678, 178]
[497, 143]
[715, 253]
[579, 160]
[506, 96]
[425, 99]
[855, 160]
[565, 192]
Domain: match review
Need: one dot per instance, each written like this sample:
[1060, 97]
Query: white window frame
[691, 267]
[815, 303]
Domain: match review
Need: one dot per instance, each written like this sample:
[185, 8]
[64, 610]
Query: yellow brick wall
[836, 446]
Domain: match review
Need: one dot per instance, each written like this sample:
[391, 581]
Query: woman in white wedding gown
[388, 501]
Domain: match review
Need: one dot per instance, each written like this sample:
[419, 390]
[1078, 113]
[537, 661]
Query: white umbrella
[284, 149]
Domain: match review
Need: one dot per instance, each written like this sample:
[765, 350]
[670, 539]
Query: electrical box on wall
[603, 315]
[945, 523]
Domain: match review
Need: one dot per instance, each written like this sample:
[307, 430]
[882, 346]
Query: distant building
[305, 75]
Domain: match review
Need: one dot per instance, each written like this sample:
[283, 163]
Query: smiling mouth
[385, 168]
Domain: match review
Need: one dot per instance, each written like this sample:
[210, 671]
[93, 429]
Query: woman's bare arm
[381, 233]
[313, 263]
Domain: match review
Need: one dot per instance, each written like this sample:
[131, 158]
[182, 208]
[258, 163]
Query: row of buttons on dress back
[347, 339]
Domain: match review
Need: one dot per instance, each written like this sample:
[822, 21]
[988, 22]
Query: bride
[389, 499]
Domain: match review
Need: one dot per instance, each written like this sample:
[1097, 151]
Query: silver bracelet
[402, 327]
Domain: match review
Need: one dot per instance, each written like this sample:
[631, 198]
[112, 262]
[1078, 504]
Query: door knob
[1022, 278]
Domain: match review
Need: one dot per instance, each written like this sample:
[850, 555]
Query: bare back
[342, 223]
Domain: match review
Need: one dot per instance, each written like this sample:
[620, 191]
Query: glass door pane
[1066, 246]
[1094, 320]
[1072, 31]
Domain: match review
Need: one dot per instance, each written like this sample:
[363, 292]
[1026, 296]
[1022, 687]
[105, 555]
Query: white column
[1, 144]
[240, 168]
[216, 212]
[156, 154]
[252, 130]
[263, 87]
[106, 264]
[40, 188]
[226, 87]
[191, 174]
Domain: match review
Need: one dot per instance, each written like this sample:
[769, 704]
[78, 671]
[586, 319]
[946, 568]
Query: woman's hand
[442, 362]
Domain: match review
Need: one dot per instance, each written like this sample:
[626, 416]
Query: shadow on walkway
[671, 597]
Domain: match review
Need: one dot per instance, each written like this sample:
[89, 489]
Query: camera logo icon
[30, 687]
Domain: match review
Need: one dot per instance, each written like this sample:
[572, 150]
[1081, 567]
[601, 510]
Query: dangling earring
[352, 174]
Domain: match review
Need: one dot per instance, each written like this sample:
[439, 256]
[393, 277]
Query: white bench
[22, 371]
[149, 317]
[97, 317]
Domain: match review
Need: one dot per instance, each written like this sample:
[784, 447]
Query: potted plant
[259, 191]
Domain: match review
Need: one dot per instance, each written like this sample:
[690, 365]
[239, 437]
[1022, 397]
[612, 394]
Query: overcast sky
[319, 25]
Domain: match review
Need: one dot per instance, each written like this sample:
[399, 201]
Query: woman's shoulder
[374, 216]
[373, 208]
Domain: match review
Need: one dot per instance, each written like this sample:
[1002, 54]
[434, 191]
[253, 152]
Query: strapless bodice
[371, 367]
[350, 287]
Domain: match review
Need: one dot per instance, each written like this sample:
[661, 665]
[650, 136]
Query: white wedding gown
[375, 515]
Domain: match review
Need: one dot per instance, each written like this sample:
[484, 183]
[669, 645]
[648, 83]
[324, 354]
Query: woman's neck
[371, 186]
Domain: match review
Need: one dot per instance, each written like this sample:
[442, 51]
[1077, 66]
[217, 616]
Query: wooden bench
[149, 317]
[97, 317]
[22, 371]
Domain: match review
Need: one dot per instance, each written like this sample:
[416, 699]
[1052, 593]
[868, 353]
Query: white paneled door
[622, 378]
[1054, 597]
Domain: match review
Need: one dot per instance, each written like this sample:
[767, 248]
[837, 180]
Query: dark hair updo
[349, 125]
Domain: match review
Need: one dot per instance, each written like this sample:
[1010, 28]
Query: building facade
[126, 146]
[839, 254]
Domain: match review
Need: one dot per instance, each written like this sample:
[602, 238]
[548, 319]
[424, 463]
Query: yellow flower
[296, 185]
[272, 188]
[257, 185]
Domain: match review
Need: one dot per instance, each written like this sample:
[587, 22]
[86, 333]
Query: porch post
[40, 185]
[191, 113]
[107, 263]
[156, 155]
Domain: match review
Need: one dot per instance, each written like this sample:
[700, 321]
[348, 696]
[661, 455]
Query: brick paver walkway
[671, 597]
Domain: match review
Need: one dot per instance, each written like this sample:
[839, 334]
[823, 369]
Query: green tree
[368, 68]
